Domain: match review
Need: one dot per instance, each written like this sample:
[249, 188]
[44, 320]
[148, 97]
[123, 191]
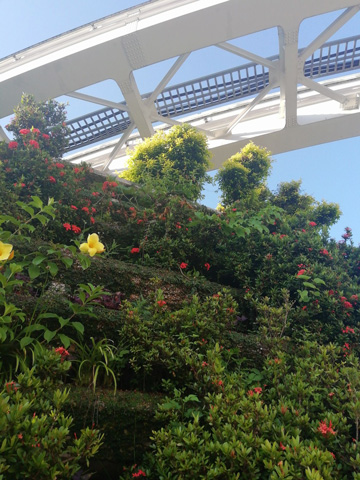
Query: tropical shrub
[37, 438]
[180, 158]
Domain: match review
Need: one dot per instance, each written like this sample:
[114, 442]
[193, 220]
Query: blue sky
[328, 172]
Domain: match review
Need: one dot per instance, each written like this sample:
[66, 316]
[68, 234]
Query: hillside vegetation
[143, 334]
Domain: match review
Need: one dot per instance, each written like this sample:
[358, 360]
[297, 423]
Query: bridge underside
[298, 98]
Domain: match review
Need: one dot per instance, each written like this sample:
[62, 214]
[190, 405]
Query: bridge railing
[332, 58]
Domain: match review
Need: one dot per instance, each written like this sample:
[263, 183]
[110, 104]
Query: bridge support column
[288, 74]
[140, 112]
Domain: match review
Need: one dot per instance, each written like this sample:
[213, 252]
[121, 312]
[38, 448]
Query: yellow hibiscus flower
[6, 252]
[92, 246]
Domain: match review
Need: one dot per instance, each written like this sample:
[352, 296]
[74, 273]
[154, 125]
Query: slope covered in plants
[145, 335]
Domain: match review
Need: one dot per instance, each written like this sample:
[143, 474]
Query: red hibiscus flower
[135, 250]
[183, 265]
[207, 266]
[67, 226]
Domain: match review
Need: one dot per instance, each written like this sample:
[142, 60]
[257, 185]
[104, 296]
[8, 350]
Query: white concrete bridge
[297, 98]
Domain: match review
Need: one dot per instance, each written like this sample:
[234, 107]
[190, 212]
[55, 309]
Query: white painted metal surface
[114, 47]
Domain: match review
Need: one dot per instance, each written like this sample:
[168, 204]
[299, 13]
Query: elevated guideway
[298, 98]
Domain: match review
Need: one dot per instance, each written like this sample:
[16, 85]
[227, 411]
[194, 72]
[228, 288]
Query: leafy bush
[180, 156]
[35, 431]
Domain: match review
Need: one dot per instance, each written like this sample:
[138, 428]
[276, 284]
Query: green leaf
[53, 268]
[43, 220]
[37, 202]
[48, 315]
[65, 340]
[34, 271]
[25, 341]
[191, 398]
[170, 405]
[319, 280]
[63, 321]
[78, 326]
[38, 259]
[27, 209]
[67, 261]
[310, 285]
[49, 335]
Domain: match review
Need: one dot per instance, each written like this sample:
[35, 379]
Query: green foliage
[48, 117]
[260, 383]
[281, 430]
[304, 207]
[162, 342]
[244, 174]
[178, 156]
[36, 441]
[94, 362]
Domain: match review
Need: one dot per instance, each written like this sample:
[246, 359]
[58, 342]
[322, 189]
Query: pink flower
[45, 136]
[183, 265]
[323, 251]
[312, 224]
[92, 220]
[300, 272]
[35, 130]
[59, 165]
[52, 180]
[207, 266]
[95, 194]
[24, 131]
[161, 303]
[258, 390]
[73, 207]
[13, 145]
[135, 250]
